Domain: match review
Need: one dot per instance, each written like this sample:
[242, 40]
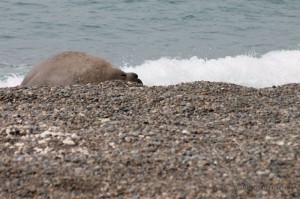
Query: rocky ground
[123, 140]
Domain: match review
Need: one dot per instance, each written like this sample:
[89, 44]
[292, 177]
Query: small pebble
[69, 142]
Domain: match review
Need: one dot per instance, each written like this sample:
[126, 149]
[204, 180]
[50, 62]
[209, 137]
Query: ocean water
[254, 43]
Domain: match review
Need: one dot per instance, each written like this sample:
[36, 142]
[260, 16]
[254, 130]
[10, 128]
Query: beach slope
[124, 140]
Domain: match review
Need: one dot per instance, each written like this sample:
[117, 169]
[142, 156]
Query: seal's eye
[123, 75]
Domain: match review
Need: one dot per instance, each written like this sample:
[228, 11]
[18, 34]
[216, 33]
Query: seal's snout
[139, 81]
[134, 77]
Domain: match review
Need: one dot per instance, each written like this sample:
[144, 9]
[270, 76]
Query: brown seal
[75, 68]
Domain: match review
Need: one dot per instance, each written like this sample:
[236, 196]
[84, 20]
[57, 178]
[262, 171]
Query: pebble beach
[124, 140]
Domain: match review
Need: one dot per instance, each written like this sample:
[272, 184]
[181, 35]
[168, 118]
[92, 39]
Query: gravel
[125, 140]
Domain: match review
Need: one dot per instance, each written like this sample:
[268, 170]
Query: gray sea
[248, 42]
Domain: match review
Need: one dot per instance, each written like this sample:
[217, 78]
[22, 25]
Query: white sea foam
[273, 68]
[11, 81]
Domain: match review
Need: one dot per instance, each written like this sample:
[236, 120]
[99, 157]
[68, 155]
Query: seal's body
[74, 68]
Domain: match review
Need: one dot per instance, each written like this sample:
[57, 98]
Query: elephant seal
[74, 68]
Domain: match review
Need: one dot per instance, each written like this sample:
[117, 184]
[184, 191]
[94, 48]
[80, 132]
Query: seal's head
[117, 74]
[133, 77]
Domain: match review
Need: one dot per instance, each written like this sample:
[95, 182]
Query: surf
[271, 69]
